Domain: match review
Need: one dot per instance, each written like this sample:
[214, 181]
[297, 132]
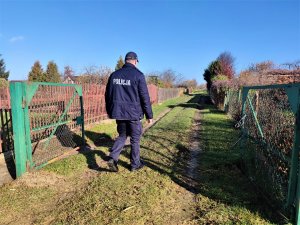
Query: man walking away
[127, 100]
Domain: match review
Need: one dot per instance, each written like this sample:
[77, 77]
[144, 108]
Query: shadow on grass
[98, 140]
[101, 140]
[218, 176]
[175, 166]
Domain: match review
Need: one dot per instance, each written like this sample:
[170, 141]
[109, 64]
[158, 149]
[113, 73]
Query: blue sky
[184, 36]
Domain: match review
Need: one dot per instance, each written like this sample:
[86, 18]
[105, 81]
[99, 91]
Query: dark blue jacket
[126, 95]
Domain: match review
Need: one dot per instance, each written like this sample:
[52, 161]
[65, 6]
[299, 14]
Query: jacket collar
[128, 65]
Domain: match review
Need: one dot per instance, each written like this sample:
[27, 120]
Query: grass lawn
[76, 191]
[224, 193]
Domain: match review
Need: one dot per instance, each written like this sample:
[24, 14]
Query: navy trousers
[134, 130]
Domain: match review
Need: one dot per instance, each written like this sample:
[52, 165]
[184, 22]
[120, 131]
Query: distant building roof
[70, 79]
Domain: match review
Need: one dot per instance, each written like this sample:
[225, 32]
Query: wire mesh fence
[270, 157]
[53, 112]
[269, 126]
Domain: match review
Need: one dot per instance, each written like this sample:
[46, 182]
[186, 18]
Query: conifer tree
[52, 74]
[212, 71]
[3, 74]
[36, 74]
[120, 63]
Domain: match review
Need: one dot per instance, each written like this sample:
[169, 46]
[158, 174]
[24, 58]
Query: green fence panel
[297, 204]
[16, 96]
[44, 113]
[270, 145]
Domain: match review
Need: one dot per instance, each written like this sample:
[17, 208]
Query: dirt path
[195, 151]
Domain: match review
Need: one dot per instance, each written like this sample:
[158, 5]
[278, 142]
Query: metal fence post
[293, 93]
[16, 96]
[296, 148]
[26, 101]
[297, 219]
[79, 91]
[244, 98]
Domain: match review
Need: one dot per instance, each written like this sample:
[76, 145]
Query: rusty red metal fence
[6, 142]
[94, 103]
[4, 98]
[94, 106]
[153, 92]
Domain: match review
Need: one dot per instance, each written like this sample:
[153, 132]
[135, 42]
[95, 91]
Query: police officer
[127, 100]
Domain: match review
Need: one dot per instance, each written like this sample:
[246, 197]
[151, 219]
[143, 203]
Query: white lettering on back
[121, 82]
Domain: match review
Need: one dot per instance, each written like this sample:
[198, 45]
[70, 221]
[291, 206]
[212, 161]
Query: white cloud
[16, 38]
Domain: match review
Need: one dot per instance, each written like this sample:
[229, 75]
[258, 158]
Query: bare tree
[104, 74]
[95, 75]
[297, 65]
[288, 65]
[256, 72]
[68, 71]
[262, 66]
[292, 65]
[169, 78]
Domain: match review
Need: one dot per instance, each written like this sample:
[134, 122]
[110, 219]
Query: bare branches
[95, 75]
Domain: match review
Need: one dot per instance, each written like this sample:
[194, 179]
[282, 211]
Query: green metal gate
[271, 142]
[48, 120]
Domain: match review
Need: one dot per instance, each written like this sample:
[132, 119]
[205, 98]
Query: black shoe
[137, 168]
[113, 167]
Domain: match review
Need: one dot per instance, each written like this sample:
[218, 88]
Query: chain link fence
[269, 126]
[268, 121]
[53, 112]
